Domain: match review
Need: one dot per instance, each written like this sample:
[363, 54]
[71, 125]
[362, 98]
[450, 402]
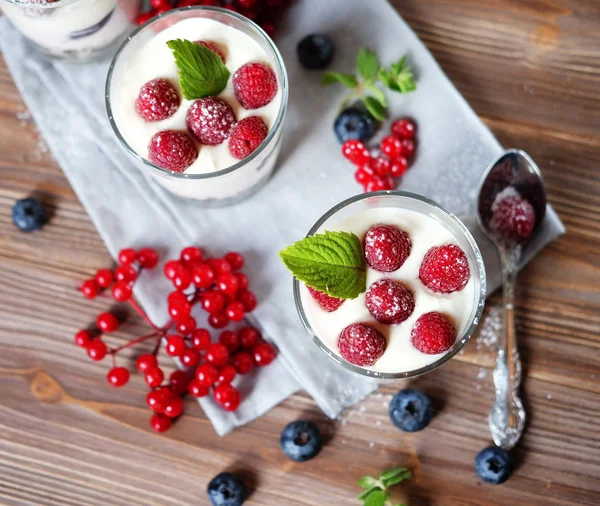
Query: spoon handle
[507, 417]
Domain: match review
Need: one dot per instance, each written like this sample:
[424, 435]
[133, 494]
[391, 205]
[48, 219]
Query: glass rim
[458, 345]
[236, 166]
[42, 6]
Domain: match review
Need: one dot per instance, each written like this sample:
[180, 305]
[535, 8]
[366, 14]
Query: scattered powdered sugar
[489, 333]
[371, 444]
[482, 373]
[24, 117]
[549, 397]
[41, 149]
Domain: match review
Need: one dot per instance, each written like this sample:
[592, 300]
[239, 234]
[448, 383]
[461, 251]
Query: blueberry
[315, 51]
[226, 489]
[354, 123]
[301, 440]
[493, 465]
[29, 215]
[410, 410]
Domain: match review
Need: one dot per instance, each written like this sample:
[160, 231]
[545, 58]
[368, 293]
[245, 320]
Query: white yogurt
[77, 29]
[153, 60]
[400, 355]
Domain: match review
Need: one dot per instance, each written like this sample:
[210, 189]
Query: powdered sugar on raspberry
[513, 217]
[326, 302]
[390, 301]
[386, 247]
[210, 120]
[158, 100]
[172, 150]
[360, 344]
[213, 47]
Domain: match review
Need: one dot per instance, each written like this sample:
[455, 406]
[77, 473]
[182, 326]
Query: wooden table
[531, 70]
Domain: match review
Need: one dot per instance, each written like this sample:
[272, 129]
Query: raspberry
[513, 219]
[355, 151]
[360, 344]
[246, 136]
[391, 146]
[158, 100]
[390, 301]
[211, 46]
[386, 247]
[433, 333]
[445, 269]
[403, 128]
[399, 166]
[326, 302]
[172, 150]
[210, 120]
[381, 165]
[254, 85]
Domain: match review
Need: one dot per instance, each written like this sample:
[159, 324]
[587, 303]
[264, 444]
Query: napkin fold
[129, 209]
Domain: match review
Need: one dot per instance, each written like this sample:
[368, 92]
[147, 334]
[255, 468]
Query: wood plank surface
[531, 70]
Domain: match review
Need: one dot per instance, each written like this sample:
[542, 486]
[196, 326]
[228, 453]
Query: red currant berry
[217, 354]
[83, 338]
[218, 320]
[248, 299]
[242, 361]
[182, 280]
[97, 349]
[249, 336]
[145, 16]
[362, 175]
[207, 375]
[158, 4]
[125, 273]
[157, 399]
[180, 311]
[104, 277]
[175, 346]
[381, 165]
[166, 8]
[263, 354]
[399, 166]
[180, 301]
[391, 146]
[403, 128]
[186, 326]
[118, 376]
[227, 283]
[235, 311]
[197, 389]
[172, 268]
[269, 29]
[201, 339]
[107, 322]
[174, 407]
[122, 291]
[355, 151]
[160, 422]
[227, 396]
[227, 374]
[127, 256]
[154, 376]
[376, 184]
[90, 288]
[230, 340]
[408, 148]
[235, 259]
[242, 280]
[179, 381]
[190, 357]
[220, 265]
[247, 4]
[191, 255]
[213, 302]
[145, 362]
[148, 258]
[203, 275]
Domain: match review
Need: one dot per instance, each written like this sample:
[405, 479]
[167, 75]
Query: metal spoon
[513, 175]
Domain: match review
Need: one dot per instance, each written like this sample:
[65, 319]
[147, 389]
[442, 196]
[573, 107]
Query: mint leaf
[399, 77]
[332, 262]
[348, 80]
[378, 94]
[397, 67]
[393, 479]
[384, 475]
[367, 64]
[201, 72]
[366, 482]
[366, 493]
[375, 108]
[376, 498]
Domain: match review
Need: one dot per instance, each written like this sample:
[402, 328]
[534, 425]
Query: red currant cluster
[218, 286]
[263, 12]
[376, 173]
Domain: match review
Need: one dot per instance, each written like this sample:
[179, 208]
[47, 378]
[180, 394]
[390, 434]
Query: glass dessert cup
[410, 202]
[73, 30]
[238, 181]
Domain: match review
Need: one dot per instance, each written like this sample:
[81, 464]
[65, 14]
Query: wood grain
[531, 70]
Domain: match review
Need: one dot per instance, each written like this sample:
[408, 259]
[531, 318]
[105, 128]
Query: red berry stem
[138, 309]
[133, 342]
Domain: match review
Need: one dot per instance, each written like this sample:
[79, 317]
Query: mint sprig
[375, 490]
[332, 262]
[398, 77]
[201, 71]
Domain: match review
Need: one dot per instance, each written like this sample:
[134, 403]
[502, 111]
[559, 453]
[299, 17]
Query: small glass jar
[221, 187]
[350, 208]
[73, 30]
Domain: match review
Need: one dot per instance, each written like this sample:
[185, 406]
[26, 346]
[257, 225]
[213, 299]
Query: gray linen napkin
[129, 209]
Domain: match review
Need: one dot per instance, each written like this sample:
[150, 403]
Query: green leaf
[348, 80]
[375, 108]
[378, 94]
[376, 498]
[384, 475]
[366, 482]
[201, 72]
[367, 64]
[332, 262]
[397, 67]
[385, 77]
[397, 478]
[366, 493]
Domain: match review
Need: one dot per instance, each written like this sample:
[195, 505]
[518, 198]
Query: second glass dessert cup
[410, 202]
